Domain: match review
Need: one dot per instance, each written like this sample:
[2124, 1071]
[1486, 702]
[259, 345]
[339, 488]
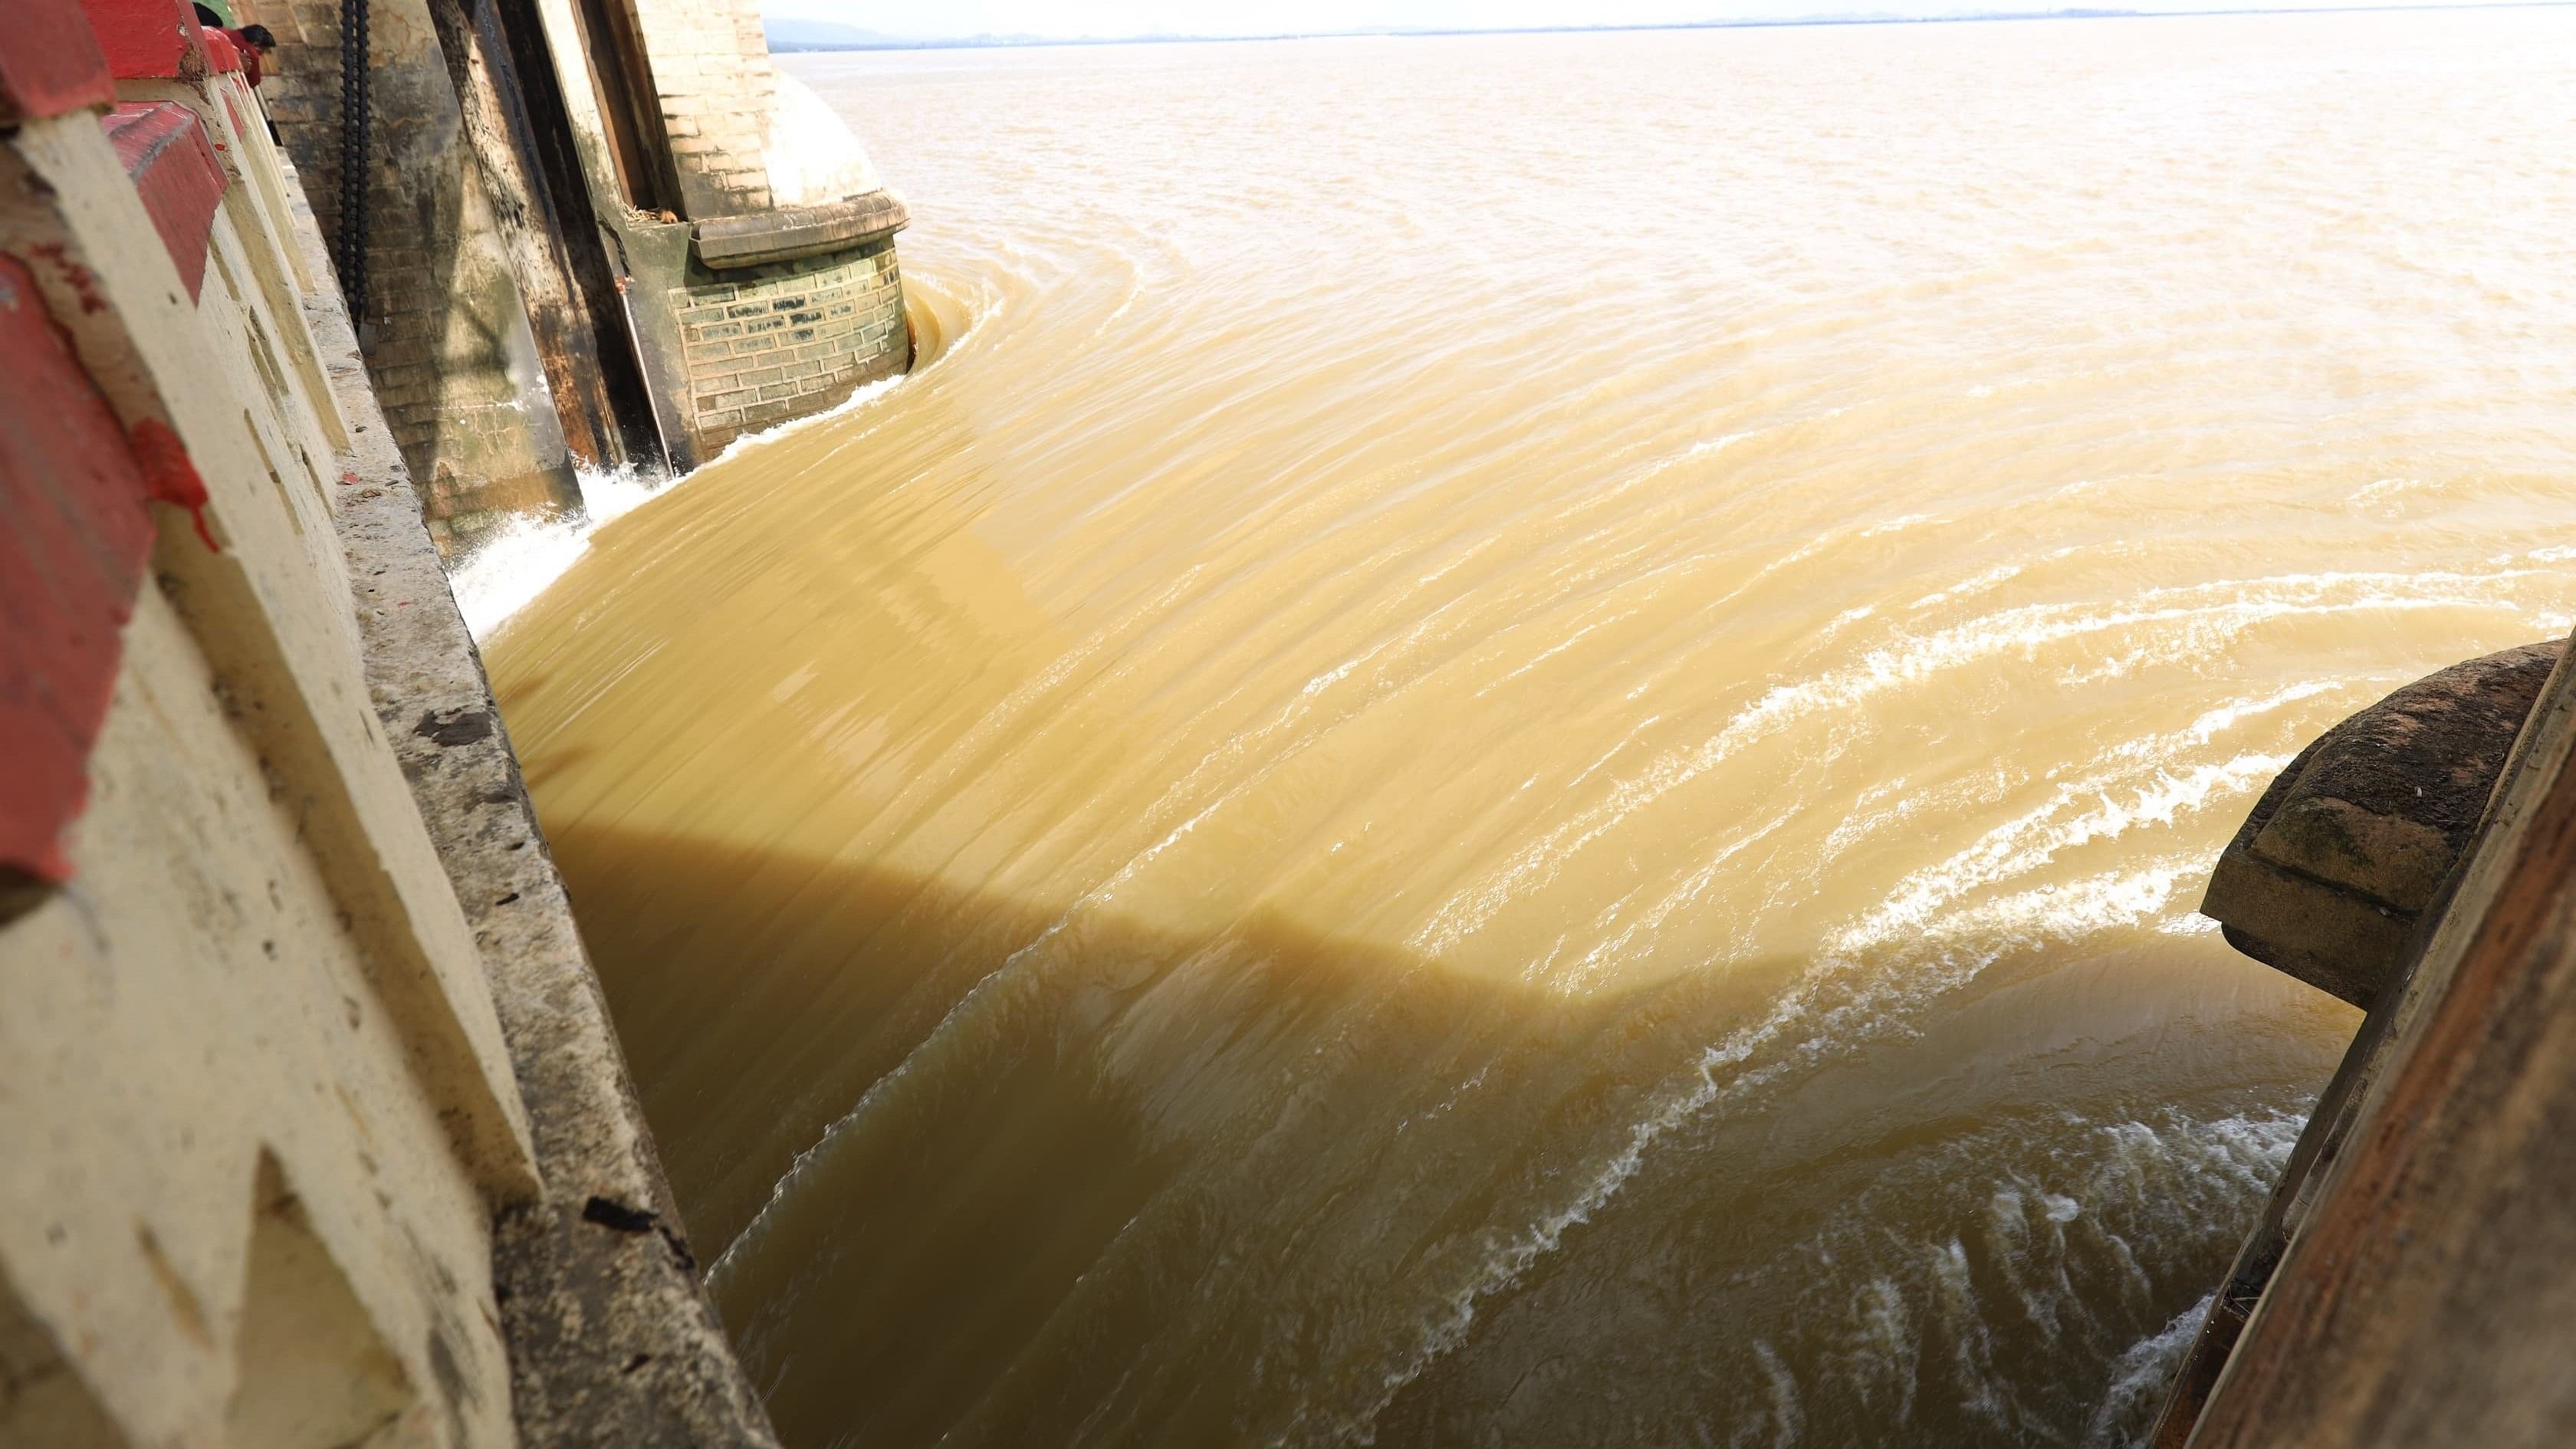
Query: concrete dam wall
[318, 1130]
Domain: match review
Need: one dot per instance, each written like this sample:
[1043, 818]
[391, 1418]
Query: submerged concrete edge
[611, 1337]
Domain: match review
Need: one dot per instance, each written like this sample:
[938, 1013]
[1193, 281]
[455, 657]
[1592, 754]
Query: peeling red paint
[82, 281]
[170, 475]
[221, 53]
[149, 39]
[166, 150]
[75, 532]
[63, 71]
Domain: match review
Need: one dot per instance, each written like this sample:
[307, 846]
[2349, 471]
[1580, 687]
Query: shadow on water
[1068, 1178]
[1181, 1106]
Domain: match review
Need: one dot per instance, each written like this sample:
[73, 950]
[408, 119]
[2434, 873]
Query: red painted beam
[166, 150]
[75, 531]
[221, 53]
[51, 63]
[149, 39]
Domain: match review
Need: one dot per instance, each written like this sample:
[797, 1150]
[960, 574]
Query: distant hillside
[827, 35]
[793, 35]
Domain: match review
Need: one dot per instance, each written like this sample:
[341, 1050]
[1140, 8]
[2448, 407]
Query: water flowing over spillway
[1515, 746]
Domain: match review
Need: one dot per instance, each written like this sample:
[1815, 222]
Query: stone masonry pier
[564, 212]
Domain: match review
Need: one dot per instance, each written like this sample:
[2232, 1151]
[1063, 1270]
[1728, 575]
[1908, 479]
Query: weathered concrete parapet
[611, 1339]
[256, 1111]
[2329, 875]
[313, 1131]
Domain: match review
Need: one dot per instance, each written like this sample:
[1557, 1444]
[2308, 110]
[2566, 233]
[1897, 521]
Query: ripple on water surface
[1518, 751]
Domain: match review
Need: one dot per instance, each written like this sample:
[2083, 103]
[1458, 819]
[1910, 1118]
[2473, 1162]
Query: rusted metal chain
[350, 242]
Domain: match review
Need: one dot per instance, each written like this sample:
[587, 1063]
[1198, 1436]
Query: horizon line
[1977, 17]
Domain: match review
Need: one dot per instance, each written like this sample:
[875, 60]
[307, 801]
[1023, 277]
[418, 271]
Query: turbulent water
[1515, 745]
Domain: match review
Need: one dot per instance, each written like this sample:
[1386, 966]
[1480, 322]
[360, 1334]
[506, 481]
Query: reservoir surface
[1514, 743]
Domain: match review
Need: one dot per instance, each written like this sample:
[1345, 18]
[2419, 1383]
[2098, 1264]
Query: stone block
[2330, 873]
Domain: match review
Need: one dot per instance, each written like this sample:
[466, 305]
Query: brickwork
[766, 344]
[301, 89]
[445, 326]
[454, 339]
[718, 89]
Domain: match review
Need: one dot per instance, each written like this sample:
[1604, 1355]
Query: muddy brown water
[1515, 745]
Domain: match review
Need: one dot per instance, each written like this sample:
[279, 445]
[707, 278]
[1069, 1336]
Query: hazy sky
[1271, 17]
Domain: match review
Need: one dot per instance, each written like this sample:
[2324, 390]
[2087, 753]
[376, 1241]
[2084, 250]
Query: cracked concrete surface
[611, 1339]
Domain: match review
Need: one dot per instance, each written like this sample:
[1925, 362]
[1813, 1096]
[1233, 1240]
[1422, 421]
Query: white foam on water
[2176, 621]
[2068, 1199]
[1886, 1333]
[2000, 574]
[2023, 845]
[2143, 1372]
[841, 409]
[1598, 963]
[1948, 944]
[1840, 1015]
[506, 572]
[1788, 1421]
[2051, 913]
[2386, 488]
